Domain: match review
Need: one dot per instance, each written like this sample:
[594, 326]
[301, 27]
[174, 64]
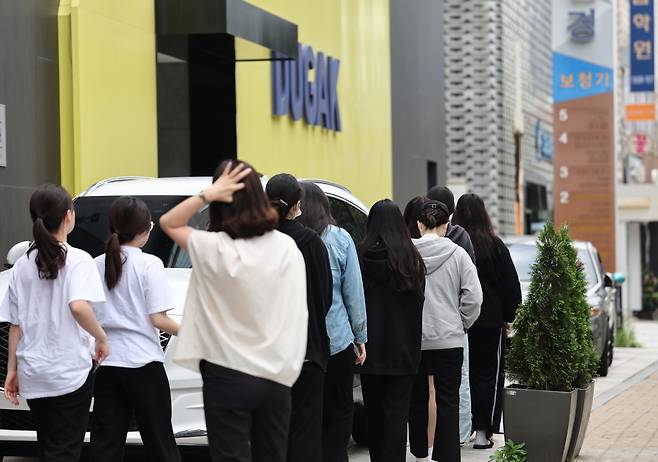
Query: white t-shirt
[54, 353]
[125, 315]
[246, 306]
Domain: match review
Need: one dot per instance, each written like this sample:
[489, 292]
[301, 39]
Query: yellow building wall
[107, 90]
[359, 157]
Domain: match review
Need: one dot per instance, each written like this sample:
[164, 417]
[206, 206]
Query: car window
[524, 255]
[179, 258]
[91, 230]
[349, 218]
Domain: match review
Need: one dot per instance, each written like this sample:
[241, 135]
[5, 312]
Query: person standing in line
[305, 436]
[454, 232]
[48, 303]
[452, 304]
[411, 214]
[394, 281]
[245, 321]
[133, 380]
[459, 236]
[502, 296]
[346, 324]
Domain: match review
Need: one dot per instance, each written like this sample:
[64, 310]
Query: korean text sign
[642, 44]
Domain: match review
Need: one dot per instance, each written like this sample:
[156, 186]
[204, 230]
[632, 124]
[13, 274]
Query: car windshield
[524, 255]
[92, 227]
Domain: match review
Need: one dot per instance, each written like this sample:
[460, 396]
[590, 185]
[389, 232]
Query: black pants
[338, 406]
[121, 393]
[247, 417]
[305, 436]
[445, 366]
[485, 365]
[386, 398]
[61, 423]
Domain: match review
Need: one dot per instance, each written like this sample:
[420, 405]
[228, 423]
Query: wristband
[203, 198]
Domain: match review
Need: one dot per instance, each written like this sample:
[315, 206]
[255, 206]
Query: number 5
[563, 115]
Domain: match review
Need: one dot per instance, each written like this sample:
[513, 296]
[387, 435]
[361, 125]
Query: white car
[17, 430]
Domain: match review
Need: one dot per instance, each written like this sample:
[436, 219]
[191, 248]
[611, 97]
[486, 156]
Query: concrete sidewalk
[625, 408]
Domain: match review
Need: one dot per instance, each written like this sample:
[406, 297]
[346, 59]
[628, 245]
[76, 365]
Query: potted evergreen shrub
[588, 360]
[551, 354]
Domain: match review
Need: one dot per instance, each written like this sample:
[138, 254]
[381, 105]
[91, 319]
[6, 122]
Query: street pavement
[624, 422]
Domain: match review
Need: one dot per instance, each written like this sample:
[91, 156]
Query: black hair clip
[436, 205]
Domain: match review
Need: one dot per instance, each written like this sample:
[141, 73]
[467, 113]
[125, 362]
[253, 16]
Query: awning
[234, 17]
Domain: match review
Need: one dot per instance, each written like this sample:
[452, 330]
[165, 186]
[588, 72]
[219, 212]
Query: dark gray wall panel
[29, 90]
[417, 99]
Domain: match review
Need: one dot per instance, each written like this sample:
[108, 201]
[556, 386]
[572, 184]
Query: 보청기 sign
[583, 123]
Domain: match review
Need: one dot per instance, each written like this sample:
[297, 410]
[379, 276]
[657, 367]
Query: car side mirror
[16, 252]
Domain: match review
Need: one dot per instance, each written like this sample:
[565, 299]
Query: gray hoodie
[452, 293]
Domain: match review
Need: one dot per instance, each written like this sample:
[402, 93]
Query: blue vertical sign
[642, 42]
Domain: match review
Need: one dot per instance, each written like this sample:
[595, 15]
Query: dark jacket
[500, 286]
[459, 236]
[395, 319]
[319, 287]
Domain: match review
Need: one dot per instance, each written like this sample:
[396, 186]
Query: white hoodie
[452, 293]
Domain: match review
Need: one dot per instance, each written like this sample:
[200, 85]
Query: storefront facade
[109, 96]
[172, 87]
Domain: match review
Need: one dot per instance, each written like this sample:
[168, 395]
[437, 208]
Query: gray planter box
[543, 420]
[584, 399]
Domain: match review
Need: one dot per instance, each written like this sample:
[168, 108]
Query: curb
[617, 390]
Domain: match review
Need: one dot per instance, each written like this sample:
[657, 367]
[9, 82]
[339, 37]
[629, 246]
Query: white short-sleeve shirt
[141, 291]
[54, 354]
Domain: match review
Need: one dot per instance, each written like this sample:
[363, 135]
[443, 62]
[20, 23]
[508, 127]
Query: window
[350, 218]
[92, 229]
[524, 256]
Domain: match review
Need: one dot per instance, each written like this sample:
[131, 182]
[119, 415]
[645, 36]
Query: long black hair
[129, 217]
[49, 205]
[284, 192]
[411, 214]
[386, 228]
[471, 214]
[317, 213]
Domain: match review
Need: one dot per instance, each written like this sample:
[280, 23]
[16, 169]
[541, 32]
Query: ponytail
[113, 261]
[51, 255]
[49, 205]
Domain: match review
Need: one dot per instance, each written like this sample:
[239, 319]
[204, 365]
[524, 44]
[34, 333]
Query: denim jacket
[346, 320]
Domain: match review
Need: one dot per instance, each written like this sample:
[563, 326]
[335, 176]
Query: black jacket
[395, 319]
[500, 287]
[459, 236]
[319, 286]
